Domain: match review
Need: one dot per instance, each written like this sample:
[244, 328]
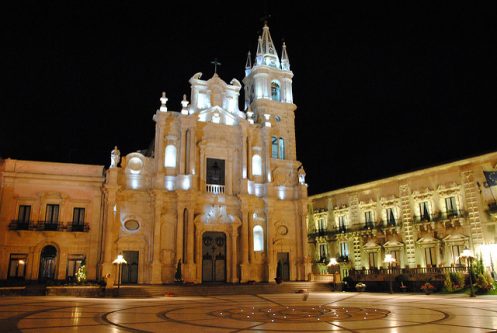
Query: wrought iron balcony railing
[21, 225]
[78, 227]
[48, 226]
[440, 216]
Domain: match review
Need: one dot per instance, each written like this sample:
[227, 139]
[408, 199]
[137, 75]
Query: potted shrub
[178, 277]
[427, 287]
[360, 286]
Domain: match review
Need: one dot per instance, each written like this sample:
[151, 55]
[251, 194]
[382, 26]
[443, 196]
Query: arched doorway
[213, 257]
[48, 263]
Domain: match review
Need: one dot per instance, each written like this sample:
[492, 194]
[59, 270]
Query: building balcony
[440, 216]
[48, 226]
[21, 225]
[214, 189]
[78, 227]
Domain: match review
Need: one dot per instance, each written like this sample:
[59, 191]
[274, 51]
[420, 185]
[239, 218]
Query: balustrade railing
[214, 189]
[361, 273]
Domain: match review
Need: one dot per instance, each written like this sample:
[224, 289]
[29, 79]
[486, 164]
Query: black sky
[380, 90]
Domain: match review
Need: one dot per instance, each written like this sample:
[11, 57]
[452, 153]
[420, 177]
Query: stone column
[234, 253]
[245, 270]
[179, 236]
[156, 264]
[110, 190]
[190, 240]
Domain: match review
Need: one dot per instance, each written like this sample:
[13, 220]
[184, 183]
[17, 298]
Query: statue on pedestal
[301, 175]
[115, 157]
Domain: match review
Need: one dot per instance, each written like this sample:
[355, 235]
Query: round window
[135, 165]
[131, 225]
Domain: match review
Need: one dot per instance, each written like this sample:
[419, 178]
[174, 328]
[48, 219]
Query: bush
[448, 283]
[348, 283]
[484, 283]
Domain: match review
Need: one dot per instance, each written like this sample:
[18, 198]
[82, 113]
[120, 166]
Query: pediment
[218, 115]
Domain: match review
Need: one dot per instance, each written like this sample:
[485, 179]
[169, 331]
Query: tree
[81, 274]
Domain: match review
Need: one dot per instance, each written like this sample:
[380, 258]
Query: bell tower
[268, 93]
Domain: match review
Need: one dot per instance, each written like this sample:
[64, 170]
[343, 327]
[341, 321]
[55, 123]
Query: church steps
[223, 289]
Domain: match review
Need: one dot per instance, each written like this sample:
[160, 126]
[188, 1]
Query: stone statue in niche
[301, 175]
[115, 157]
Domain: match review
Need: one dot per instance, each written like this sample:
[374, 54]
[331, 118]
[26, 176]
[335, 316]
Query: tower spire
[285, 62]
[259, 55]
[266, 49]
[248, 64]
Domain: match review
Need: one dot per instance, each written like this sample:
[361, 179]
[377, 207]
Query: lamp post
[333, 263]
[468, 255]
[389, 260]
[119, 261]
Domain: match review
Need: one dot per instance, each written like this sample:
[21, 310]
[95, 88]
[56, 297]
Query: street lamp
[333, 263]
[389, 260]
[468, 255]
[119, 261]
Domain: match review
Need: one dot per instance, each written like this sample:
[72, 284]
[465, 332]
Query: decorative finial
[163, 101]
[250, 115]
[184, 104]
[215, 63]
[267, 123]
[248, 64]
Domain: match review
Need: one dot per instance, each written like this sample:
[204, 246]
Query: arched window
[258, 239]
[256, 165]
[170, 157]
[281, 144]
[274, 147]
[275, 91]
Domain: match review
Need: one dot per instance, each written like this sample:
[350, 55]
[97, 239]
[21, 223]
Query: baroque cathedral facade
[222, 195]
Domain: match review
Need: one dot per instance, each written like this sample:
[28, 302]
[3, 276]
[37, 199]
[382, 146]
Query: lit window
[424, 211]
[258, 239]
[344, 249]
[170, 158]
[275, 91]
[341, 223]
[17, 265]
[368, 219]
[451, 206]
[390, 216]
[281, 145]
[277, 148]
[274, 147]
[256, 165]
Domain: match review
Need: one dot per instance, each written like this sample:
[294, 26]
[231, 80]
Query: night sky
[380, 90]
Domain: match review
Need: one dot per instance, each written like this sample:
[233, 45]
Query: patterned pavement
[317, 312]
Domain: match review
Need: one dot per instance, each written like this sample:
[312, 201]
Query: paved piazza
[317, 312]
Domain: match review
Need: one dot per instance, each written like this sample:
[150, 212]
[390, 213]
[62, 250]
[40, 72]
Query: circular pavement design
[300, 313]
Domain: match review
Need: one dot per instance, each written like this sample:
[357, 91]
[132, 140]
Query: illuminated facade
[221, 192]
[423, 219]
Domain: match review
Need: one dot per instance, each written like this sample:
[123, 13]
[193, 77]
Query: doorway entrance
[284, 258]
[130, 271]
[213, 257]
[48, 263]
